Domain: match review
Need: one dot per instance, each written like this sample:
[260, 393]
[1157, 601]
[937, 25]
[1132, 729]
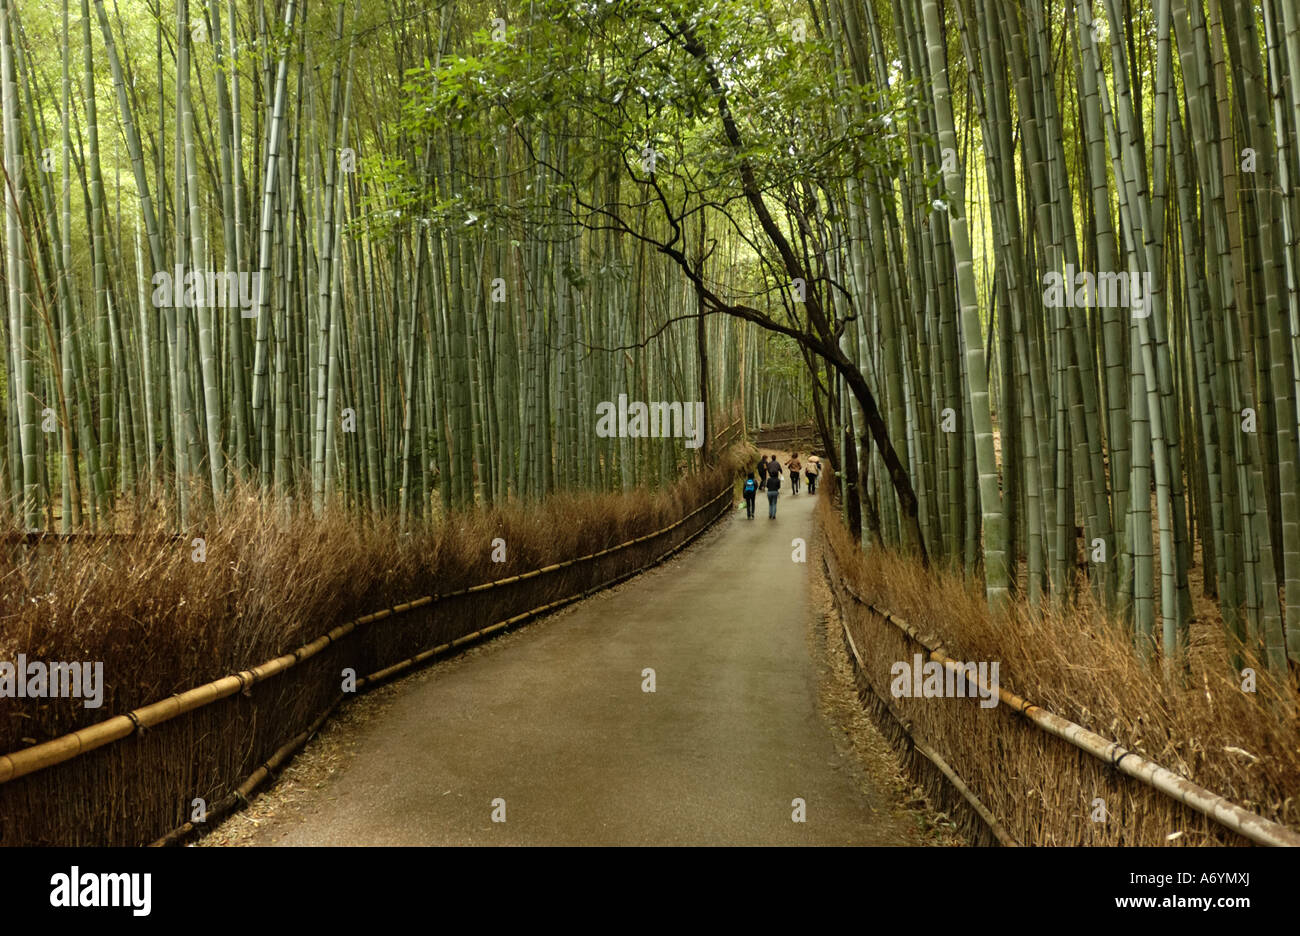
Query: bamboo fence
[129, 779]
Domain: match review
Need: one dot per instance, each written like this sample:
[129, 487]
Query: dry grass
[1076, 663]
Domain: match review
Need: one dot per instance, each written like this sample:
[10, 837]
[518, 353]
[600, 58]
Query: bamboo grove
[1039, 259]
[1054, 435]
[1031, 266]
[230, 263]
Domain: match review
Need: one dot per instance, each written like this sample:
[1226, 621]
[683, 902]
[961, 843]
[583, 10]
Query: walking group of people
[769, 479]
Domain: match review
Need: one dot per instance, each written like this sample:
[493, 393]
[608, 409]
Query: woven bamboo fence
[1015, 774]
[133, 779]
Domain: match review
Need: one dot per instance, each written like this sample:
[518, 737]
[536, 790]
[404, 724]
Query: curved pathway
[556, 723]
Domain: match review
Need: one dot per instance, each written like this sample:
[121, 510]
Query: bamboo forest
[1014, 284]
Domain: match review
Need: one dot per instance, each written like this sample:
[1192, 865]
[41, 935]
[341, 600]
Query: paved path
[556, 723]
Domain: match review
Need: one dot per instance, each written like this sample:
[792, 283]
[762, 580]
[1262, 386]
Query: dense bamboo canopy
[1030, 266]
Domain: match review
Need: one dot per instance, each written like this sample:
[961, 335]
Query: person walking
[811, 471]
[773, 490]
[751, 492]
[761, 471]
[795, 468]
[773, 467]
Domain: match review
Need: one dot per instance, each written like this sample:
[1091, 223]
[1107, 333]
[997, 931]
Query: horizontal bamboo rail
[40, 537]
[1217, 808]
[543, 609]
[773, 443]
[238, 797]
[990, 821]
[787, 431]
[66, 747]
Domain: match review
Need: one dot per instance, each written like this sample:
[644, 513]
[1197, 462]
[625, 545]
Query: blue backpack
[750, 486]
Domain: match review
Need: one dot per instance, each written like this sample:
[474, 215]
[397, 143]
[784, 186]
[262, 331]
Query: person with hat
[811, 471]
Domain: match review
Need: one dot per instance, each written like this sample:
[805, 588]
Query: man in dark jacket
[773, 490]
